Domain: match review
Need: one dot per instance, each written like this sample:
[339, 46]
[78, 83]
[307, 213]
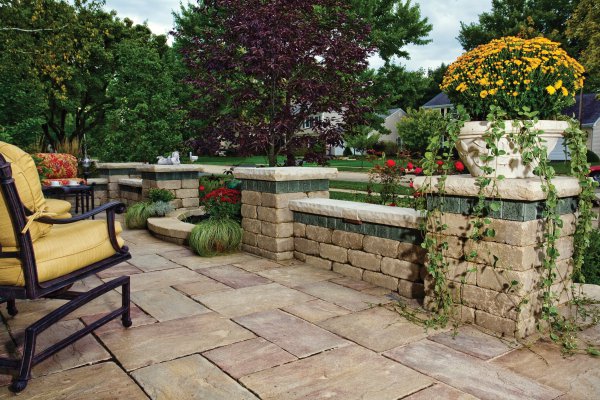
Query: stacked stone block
[181, 180]
[113, 172]
[100, 190]
[389, 256]
[131, 190]
[496, 282]
[267, 221]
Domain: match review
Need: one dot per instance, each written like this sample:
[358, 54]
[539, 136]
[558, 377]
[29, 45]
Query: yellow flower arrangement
[513, 73]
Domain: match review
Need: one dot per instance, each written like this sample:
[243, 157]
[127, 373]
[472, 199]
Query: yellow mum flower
[565, 92]
[550, 89]
[515, 94]
[483, 94]
[558, 84]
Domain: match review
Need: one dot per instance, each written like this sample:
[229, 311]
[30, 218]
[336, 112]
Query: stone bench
[130, 190]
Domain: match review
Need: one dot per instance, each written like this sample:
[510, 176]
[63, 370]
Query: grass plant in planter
[221, 232]
[158, 206]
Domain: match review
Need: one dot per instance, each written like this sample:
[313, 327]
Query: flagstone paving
[242, 327]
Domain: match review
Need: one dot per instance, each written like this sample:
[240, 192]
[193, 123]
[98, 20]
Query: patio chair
[41, 257]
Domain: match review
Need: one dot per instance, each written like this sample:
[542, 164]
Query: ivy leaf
[495, 206]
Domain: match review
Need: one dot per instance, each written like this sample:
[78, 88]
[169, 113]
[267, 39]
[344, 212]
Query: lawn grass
[363, 186]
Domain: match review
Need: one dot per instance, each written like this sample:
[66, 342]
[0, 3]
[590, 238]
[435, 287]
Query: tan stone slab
[138, 237]
[148, 247]
[350, 299]
[256, 265]
[245, 358]
[234, 277]
[197, 262]
[252, 299]
[316, 311]
[472, 341]
[162, 279]
[291, 333]
[353, 283]
[182, 252]
[347, 373]
[167, 303]
[377, 329]
[279, 174]
[152, 262]
[104, 381]
[138, 318]
[191, 377]
[469, 374]
[151, 344]
[202, 286]
[440, 391]
[577, 375]
[119, 270]
[299, 275]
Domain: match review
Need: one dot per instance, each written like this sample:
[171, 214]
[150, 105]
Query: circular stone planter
[171, 228]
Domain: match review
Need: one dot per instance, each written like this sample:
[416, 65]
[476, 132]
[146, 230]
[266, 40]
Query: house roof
[391, 111]
[590, 113]
[440, 100]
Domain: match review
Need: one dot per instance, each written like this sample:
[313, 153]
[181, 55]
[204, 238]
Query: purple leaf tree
[261, 68]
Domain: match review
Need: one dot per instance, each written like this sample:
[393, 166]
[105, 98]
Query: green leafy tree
[363, 141]
[584, 27]
[145, 120]
[395, 86]
[524, 18]
[418, 126]
[394, 24]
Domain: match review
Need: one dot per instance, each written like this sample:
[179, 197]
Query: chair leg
[11, 306]
[126, 297]
[20, 383]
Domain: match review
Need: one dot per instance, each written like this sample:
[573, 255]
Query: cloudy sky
[445, 15]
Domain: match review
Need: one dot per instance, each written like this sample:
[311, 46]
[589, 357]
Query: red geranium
[390, 163]
[418, 170]
[459, 166]
[439, 162]
[201, 188]
[409, 166]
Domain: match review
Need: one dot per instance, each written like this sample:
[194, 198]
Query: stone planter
[471, 146]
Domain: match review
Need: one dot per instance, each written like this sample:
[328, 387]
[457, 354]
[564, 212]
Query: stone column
[497, 281]
[181, 180]
[112, 172]
[267, 221]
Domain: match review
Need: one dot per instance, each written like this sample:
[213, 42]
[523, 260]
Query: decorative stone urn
[471, 147]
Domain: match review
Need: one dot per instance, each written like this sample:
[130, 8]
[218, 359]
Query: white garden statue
[173, 160]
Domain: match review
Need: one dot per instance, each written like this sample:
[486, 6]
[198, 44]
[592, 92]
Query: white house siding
[391, 123]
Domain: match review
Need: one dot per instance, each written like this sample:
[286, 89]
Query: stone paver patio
[241, 327]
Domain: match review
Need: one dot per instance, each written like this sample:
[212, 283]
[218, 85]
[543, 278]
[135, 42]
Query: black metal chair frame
[56, 288]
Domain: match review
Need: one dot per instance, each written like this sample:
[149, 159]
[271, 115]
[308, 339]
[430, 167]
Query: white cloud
[445, 15]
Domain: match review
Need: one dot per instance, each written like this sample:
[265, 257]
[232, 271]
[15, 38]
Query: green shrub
[223, 203]
[160, 209]
[592, 157]
[163, 195]
[137, 215]
[591, 260]
[347, 151]
[216, 236]
[390, 149]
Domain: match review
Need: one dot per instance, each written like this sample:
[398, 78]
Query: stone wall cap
[130, 182]
[123, 165]
[280, 174]
[171, 168]
[97, 181]
[528, 189]
[373, 213]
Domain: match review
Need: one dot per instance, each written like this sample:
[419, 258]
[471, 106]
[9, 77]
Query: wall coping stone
[130, 182]
[374, 213]
[98, 181]
[528, 189]
[278, 174]
[171, 168]
[123, 165]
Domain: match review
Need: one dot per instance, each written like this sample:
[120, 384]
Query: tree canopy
[260, 69]
[584, 27]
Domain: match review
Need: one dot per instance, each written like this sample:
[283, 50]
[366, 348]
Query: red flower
[417, 194]
[392, 205]
[201, 188]
[418, 170]
[390, 163]
[411, 184]
[439, 162]
[409, 166]
[460, 167]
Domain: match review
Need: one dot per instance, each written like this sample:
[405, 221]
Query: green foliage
[160, 208]
[164, 195]
[137, 215]
[216, 236]
[590, 270]
[419, 126]
[394, 86]
[223, 203]
[347, 151]
[583, 27]
[363, 140]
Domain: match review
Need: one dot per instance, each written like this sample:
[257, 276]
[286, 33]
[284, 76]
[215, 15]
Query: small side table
[84, 195]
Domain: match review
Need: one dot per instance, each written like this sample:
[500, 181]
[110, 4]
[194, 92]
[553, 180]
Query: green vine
[530, 145]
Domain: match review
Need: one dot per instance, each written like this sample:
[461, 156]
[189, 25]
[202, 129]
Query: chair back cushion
[28, 185]
[57, 165]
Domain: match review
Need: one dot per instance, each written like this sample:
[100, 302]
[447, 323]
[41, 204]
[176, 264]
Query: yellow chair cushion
[28, 185]
[59, 207]
[65, 249]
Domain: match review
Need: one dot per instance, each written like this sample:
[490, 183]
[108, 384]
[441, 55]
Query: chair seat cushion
[65, 249]
[59, 207]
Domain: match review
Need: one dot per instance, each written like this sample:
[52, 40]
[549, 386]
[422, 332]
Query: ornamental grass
[514, 73]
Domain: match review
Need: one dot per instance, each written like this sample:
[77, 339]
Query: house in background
[590, 120]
